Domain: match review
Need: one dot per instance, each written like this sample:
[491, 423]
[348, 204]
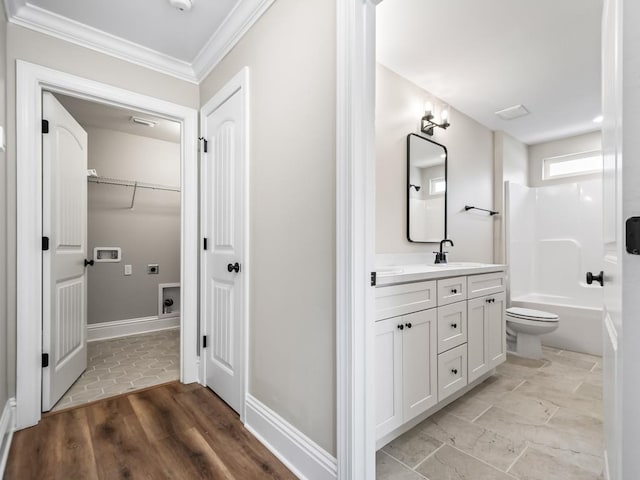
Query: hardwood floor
[171, 431]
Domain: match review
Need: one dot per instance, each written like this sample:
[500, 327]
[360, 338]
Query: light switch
[127, 269]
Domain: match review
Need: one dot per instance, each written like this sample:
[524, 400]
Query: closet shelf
[133, 184]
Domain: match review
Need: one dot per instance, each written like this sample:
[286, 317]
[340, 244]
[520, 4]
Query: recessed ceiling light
[182, 5]
[598, 119]
[143, 121]
[510, 113]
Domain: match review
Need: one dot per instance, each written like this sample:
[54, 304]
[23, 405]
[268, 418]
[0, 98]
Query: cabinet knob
[453, 290]
[490, 300]
[401, 327]
[454, 371]
[454, 325]
[408, 325]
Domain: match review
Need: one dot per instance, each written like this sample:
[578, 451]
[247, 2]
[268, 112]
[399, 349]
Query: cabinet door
[497, 335]
[477, 339]
[419, 363]
[452, 371]
[388, 375]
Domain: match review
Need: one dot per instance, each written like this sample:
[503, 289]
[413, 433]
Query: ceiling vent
[512, 112]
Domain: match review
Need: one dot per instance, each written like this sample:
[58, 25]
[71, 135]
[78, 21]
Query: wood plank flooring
[171, 431]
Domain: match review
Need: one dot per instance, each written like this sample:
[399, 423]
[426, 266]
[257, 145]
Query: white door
[477, 341]
[419, 363]
[496, 333]
[621, 201]
[223, 173]
[64, 222]
[388, 374]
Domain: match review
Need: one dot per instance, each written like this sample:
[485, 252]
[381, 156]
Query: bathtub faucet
[441, 257]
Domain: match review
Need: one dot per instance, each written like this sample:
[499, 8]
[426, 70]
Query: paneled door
[223, 227]
[64, 230]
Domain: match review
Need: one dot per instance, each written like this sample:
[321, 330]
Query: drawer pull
[401, 327]
[454, 325]
[453, 290]
[408, 325]
[454, 371]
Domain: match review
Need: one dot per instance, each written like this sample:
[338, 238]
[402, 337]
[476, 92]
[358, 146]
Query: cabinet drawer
[452, 371]
[452, 290]
[398, 300]
[452, 326]
[485, 284]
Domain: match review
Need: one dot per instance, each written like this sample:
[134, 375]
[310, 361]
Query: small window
[437, 186]
[571, 165]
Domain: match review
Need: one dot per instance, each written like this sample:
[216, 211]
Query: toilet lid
[530, 314]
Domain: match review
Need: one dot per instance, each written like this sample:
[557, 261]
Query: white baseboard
[7, 426]
[132, 326]
[306, 459]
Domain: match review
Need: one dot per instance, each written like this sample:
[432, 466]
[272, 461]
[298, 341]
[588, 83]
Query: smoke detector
[182, 5]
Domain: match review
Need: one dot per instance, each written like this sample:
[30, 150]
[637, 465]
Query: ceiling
[485, 56]
[148, 32]
[91, 114]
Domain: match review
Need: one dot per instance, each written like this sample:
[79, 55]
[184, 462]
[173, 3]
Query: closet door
[64, 223]
[223, 226]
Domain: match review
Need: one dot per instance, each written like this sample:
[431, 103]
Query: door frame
[32, 79]
[355, 237]
[239, 83]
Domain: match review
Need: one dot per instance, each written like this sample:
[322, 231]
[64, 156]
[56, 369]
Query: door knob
[597, 278]
[233, 267]
[88, 262]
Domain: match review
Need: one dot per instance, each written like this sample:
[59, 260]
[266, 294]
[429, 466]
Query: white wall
[399, 107]
[150, 233]
[31, 46]
[510, 165]
[291, 53]
[580, 143]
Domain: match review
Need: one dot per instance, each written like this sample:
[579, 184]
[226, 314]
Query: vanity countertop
[389, 275]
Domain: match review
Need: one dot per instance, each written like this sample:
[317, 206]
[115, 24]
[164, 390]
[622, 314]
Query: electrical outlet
[153, 269]
[127, 270]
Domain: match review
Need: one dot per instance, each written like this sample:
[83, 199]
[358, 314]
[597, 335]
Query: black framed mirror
[426, 190]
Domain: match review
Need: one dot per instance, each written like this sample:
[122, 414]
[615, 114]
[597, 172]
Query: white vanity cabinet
[486, 348]
[433, 337]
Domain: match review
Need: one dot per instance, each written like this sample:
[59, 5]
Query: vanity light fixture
[429, 122]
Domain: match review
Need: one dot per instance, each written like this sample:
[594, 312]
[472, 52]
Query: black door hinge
[204, 341]
[45, 126]
[204, 143]
[45, 244]
[45, 360]
[373, 279]
[204, 243]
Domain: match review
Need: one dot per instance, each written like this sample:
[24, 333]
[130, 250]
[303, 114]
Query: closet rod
[131, 183]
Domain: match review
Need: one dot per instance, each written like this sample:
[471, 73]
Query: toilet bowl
[524, 327]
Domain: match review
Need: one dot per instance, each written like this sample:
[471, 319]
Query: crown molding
[244, 15]
[233, 28]
[57, 26]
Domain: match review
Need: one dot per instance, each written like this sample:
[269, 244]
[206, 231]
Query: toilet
[524, 327]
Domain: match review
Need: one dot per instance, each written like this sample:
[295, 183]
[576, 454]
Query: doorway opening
[32, 81]
[128, 315]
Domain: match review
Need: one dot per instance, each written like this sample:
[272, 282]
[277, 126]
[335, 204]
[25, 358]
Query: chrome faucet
[441, 257]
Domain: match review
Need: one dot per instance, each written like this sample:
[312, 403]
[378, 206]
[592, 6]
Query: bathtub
[580, 328]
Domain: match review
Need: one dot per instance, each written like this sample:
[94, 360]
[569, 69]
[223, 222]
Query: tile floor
[125, 364]
[533, 420]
